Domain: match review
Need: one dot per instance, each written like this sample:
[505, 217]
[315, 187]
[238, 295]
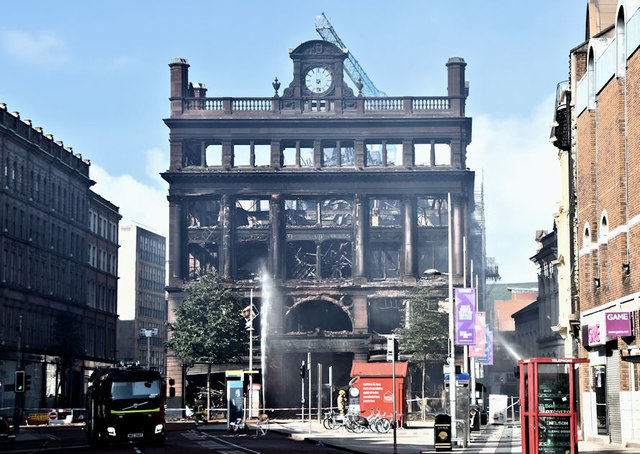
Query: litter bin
[442, 433]
[474, 418]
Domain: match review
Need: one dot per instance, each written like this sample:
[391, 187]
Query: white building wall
[127, 273]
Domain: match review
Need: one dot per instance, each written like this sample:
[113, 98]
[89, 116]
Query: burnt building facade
[337, 201]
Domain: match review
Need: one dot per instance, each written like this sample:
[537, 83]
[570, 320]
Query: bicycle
[330, 420]
[355, 423]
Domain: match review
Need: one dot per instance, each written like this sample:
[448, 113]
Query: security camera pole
[148, 333]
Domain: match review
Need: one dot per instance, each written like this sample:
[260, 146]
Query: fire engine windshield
[135, 389]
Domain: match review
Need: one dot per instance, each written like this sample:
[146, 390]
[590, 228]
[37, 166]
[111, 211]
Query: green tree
[426, 330]
[208, 328]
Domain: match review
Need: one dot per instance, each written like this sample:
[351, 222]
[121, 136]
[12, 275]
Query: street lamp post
[148, 333]
[249, 314]
[451, 359]
[452, 346]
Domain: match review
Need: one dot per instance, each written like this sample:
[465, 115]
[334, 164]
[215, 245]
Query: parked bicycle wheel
[329, 421]
[383, 425]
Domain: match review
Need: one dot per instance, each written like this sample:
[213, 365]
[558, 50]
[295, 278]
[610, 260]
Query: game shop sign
[606, 326]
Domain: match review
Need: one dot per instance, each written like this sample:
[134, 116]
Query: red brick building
[605, 83]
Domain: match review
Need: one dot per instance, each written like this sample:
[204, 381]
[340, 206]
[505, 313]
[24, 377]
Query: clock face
[318, 79]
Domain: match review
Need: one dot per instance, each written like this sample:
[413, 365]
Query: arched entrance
[317, 314]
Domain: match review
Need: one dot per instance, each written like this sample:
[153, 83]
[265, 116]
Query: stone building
[603, 149]
[57, 282]
[338, 202]
[141, 298]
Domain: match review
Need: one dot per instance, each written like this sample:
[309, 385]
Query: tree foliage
[208, 326]
[426, 333]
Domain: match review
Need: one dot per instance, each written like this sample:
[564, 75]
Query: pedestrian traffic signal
[20, 381]
[303, 370]
[27, 382]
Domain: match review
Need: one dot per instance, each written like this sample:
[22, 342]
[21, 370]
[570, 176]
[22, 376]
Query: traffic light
[303, 370]
[27, 382]
[20, 381]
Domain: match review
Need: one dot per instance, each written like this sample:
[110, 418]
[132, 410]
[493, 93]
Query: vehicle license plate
[135, 435]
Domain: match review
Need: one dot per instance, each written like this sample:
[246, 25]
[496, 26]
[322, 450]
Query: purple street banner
[487, 360]
[465, 316]
[618, 324]
[477, 350]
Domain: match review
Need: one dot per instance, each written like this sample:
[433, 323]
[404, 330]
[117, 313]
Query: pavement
[417, 438]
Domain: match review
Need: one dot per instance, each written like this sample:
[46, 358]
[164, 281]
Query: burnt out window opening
[252, 213]
[383, 153]
[432, 212]
[301, 212]
[432, 154]
[330, 156]
[251, 256]
[203, 213]
[336, 260]
[213, 155]
[202, 258]
[297, 154]
[384, 212]
[301, 260]
[336, 212]
[317, 315]
[442, 154]
[433, 254]
[191, 153]
[346, 154]
[385, 261]
[338, 154]
[386, 314]
[252, 154]
[374, 154]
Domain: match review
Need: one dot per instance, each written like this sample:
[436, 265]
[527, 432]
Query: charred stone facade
[339, 199]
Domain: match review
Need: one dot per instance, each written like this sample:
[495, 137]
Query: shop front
[610, 400]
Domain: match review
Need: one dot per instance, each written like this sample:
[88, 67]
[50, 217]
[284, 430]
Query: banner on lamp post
[465, 316]
[487, 360]
[477, 350]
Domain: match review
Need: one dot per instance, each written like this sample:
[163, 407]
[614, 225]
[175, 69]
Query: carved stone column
[277, 237]
[318, 260]
[409, 235]
[175, 154]
[458, 230]
[360, 316]
[176, 228]
[226, 254]
[407, 154]
[361, 227]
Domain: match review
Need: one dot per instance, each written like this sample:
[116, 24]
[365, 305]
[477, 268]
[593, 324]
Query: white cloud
[521, 182]
[41, 49]
[139, 203]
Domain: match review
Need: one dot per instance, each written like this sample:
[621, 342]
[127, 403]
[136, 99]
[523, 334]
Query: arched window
[591, 80]
[604, 227]
[621, 43]
[586, 237]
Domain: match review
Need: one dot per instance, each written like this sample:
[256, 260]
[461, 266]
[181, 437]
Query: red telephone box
[547, 405]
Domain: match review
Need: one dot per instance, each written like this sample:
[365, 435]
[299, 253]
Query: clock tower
[318, 72]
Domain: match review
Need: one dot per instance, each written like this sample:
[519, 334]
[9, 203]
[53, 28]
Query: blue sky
[95, 75]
